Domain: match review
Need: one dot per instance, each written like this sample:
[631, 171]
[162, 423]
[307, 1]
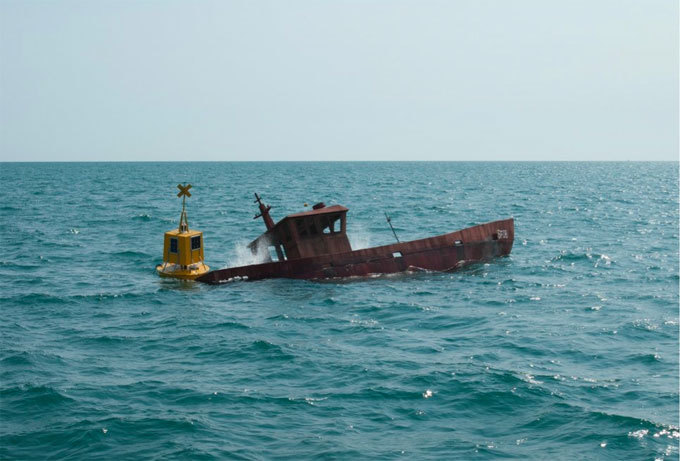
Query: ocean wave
[273, 351]
[24, 265]
[40, 298]
[596, 258]
[131, 254]
[230, 325]
[23, 360]
[297, 318]
[29, 397]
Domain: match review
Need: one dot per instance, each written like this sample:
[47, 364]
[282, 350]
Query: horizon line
[338, 161]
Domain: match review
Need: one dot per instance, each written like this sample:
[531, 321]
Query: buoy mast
[184, 193]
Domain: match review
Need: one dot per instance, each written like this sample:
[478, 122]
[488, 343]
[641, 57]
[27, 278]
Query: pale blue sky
[339, 80]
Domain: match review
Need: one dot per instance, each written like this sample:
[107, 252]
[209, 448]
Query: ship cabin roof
[316, 232]
[324, 210]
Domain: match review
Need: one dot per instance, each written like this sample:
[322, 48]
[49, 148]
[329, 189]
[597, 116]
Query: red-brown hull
[440, 253]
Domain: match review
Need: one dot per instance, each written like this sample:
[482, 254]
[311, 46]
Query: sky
[227, 80]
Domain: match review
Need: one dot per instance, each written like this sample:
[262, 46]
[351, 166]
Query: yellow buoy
[183, 248]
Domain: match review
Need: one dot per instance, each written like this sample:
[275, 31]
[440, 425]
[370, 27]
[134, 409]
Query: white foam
[638, 434]
[530, 379]
[360, 238]
[244, 257]
[311, 400]
[671, 434]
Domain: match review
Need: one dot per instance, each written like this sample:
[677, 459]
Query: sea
[565, 350]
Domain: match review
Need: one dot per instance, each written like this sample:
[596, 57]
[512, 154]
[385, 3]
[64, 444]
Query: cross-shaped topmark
[184, 190]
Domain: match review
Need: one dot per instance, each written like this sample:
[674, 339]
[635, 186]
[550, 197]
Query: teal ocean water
[567, 349]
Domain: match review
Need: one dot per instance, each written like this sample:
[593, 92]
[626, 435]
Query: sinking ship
[314, 245]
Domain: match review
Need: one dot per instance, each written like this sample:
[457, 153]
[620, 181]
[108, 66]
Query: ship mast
[264, 213]
[269, 222]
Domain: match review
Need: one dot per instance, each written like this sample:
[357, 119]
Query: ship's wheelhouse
[317, 232]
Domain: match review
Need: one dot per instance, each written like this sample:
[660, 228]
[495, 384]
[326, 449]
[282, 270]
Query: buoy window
[173, 245]
[196, 242]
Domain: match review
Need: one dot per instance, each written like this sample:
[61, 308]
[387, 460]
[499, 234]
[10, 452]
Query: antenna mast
[389, 221]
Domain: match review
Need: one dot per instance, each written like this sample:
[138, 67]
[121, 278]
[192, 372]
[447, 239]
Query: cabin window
[397, 254]
[173, 245]
[312, 228]
[274, 256]
[196, 242]
[325, 224]
[301, 228]
[328, 223]
[458, 242]
[286, 233]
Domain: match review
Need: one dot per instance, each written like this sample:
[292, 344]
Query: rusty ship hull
[446, 252]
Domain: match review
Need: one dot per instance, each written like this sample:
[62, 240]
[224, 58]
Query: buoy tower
[183, 248]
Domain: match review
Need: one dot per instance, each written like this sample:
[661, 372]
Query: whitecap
[671, 434]
[311, 400]
[530, 379]
[639, 433]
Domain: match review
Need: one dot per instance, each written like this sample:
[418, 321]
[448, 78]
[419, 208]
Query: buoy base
[182, 272]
